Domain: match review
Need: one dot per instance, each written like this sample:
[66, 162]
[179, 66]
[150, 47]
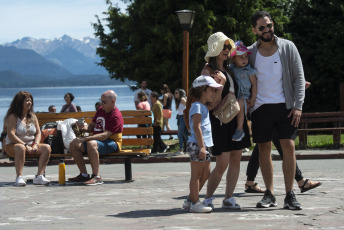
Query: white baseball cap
[205, 80]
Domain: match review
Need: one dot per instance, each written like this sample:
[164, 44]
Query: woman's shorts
[166, 113]
[193, 150]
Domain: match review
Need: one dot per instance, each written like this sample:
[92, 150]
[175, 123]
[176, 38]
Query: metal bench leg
[127, 168]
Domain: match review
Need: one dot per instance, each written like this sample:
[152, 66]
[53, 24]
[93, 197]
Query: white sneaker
[167, 147]
[19, 181]
[187, 204]
[209, 202]
[199, 207]
[41, 180]
[180, 152]
[230, 203]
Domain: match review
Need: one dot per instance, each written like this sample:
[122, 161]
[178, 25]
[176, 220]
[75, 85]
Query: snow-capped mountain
[78, 56]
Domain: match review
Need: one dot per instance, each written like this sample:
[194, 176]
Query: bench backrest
[131, 119]
[322, 117]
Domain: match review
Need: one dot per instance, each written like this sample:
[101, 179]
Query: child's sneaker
[230, 203]
[209, 202]
[19, 181]
[40, 180]
[187, 204]
[199, 207]
[238, 135]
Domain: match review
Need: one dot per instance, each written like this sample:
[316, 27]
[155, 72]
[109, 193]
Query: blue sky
[49, 18]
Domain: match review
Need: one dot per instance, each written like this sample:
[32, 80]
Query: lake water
[85, 97]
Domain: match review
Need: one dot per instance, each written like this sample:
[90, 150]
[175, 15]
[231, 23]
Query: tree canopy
[146, 42]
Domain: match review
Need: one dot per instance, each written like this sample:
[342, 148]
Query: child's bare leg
[240, 116]
[196, 173]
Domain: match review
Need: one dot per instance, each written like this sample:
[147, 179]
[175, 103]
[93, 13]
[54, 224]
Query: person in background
[78, 108]
[69, 106]
[97, 105]
[167, 106]
[143, 105]
[143, 87]
[52, 109]
[253, 165]
[180, 101]
[279, 67]
[24, 136]
[157, 124]
[107, 128]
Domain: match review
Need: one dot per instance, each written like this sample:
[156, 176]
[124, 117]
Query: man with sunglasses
[107, 128]
[280, 96]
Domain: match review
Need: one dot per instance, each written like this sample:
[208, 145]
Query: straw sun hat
[215, 45]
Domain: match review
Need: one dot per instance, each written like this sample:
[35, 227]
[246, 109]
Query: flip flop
[253, 188]
[311, 186]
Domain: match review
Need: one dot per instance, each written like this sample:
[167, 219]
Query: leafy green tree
[317, 29]
[147, 41]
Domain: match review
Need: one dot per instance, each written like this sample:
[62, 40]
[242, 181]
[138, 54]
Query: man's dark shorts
[270, 118]
[104, 147]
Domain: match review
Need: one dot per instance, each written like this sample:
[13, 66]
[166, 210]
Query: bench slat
[138, 131]
[137, 141]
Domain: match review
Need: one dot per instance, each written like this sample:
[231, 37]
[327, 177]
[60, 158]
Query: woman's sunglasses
[261, 28]
[226, 47]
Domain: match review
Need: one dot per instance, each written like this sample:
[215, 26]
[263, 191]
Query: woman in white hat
[227, 152]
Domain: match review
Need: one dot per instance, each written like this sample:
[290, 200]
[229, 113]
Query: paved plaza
[154, 200]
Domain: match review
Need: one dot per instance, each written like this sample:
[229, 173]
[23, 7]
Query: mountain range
[77, 56]
[52, 62]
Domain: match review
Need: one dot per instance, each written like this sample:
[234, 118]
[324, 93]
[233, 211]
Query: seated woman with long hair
[24, 136]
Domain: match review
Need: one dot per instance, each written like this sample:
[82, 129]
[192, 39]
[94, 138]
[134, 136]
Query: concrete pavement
[154, 200]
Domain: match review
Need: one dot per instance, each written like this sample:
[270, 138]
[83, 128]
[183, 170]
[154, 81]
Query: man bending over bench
[107, 128]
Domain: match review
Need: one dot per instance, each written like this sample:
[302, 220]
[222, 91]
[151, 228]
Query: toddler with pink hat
[245, 77]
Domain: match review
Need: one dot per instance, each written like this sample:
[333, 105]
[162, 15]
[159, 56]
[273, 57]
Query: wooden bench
[330, 122]
[130, 143]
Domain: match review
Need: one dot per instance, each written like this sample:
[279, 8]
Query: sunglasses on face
[226, 47]
[261, 28]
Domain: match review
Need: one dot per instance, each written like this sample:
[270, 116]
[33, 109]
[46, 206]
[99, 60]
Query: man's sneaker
[290, 202]
[268, 200]
[19, 181]
[167, 147]
[41, 180]
[199, 207]
[79, 178]
[238, 135]
[230, 203]
[187, 204]
[208, 202]
[95, 180]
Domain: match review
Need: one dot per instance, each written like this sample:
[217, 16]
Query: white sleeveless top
[181, 108]
[269, 80]
[25, 132]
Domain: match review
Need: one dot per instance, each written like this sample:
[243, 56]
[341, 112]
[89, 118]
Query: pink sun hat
[240, 49]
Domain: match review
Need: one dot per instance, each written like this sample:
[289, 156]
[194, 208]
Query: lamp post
[186, 19]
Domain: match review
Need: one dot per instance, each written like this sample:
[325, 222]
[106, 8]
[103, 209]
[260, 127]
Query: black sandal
[253, 188]
[311, 186]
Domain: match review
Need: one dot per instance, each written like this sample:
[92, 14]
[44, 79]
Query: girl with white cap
[200, 140]
[227, 152]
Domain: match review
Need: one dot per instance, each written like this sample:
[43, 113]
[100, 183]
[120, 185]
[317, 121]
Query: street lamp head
[186, 18]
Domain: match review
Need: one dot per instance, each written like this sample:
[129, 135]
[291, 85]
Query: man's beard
[261, 37]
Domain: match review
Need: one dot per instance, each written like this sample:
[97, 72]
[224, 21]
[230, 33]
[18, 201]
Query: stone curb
[168, 158]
